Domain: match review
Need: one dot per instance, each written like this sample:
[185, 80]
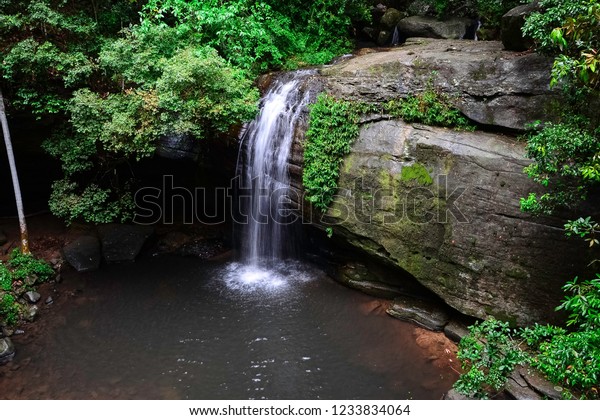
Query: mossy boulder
[443, 205]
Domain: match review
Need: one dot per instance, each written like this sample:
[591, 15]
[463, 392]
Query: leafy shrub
[9, 309]
[568, 358]
[565, 159]
[91, 204]
[429, 107]
[582, 303]
[5, 278]
[489, 354]
[26, 265]
[19, 268]
[571, 359]
[539, 25]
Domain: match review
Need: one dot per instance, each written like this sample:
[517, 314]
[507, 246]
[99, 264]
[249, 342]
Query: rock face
[444, 206]
[490, 86]
[512, 25]
[83, 253]
[429, 27]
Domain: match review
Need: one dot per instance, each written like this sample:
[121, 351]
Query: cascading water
[266, 222]
[265, 182]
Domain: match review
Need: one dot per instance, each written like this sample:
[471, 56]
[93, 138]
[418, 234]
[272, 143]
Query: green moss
[416, 172]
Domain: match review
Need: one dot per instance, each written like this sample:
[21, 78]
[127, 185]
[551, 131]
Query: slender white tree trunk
[15, 177]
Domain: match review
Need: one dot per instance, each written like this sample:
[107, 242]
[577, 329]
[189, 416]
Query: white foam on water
[278, 277]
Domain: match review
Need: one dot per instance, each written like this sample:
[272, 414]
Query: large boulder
[83, 253]
[491, 86]
[391, 18]
[121, 242]
[429, 27]
[444, 206]
[512, 27]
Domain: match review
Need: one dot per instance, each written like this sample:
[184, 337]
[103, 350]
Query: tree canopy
[118, 75]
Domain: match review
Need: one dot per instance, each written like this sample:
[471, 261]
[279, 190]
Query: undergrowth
[21, 273]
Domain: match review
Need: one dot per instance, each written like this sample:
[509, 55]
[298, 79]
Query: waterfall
[395, 37]
[265, 182]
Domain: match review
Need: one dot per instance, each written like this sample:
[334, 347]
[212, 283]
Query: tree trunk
[15, 177]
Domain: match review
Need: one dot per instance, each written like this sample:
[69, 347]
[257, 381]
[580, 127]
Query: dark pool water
[177, 328]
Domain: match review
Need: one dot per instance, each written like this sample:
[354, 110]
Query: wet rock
[33, 297]
[376, 281]
[83, 253]
[536, 381]
[49, 300]
[455, 330]
[122, 242]
[512, 26]
[380, 290]
[359, 277]
[383, 38]
[429, 27]
[7, 331]
[7, 350]
[455, 395]
[425, 314]
[31, 313]
[520, 392]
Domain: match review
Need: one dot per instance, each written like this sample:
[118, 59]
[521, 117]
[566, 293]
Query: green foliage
[582, 303]
[540, 25]
[20, 273]
[5, 278]
[9, 309]
[578, 41]
[199, 93]
[26, 265]
[568, 358]
[569, 31]
[429, 107]
[585, 228]
[48, 47]
[333, 128]
[91, 203]
[489, 354]
[490, 11]
[258, 35]
[571, 358]
[565, 160]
